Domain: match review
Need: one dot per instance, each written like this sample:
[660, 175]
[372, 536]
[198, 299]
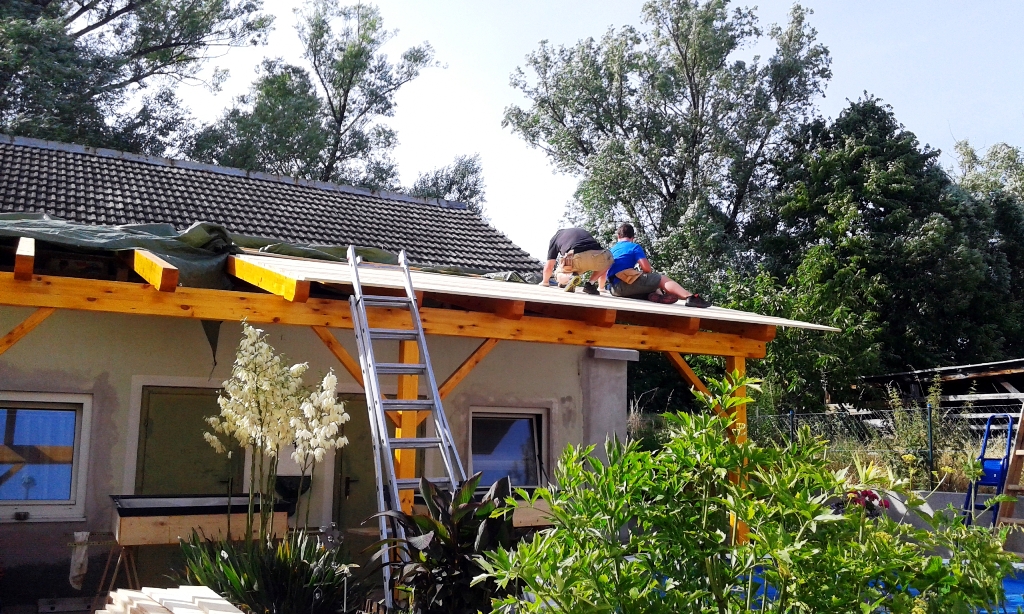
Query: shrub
[663, 531]
[442, 549]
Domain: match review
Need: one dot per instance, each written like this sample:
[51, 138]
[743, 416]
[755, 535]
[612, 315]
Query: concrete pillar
[605, 403]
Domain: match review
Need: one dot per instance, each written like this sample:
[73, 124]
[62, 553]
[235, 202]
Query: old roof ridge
[115, 154]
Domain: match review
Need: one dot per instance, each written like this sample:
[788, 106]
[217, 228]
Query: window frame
[540, 439]
[72, 510]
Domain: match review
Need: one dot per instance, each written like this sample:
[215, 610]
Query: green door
[173, 457]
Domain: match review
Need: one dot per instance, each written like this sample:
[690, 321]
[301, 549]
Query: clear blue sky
[951, 70]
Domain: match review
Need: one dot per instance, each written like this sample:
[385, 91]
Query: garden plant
[265, 408]
[709, 523]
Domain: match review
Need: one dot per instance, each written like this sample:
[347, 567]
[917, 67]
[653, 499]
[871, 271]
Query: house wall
[105, 355]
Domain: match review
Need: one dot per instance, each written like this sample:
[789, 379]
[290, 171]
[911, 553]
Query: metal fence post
[931, 451]
[792, 426]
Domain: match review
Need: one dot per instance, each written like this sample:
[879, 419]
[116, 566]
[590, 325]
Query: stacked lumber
[181, 600]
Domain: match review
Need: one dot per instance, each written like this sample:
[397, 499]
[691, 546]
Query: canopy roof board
[535, 297]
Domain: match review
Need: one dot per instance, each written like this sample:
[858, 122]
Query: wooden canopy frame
[282, 299]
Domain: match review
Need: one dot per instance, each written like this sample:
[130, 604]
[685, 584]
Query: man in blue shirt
[625, 280]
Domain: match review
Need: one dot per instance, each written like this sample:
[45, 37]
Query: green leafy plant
[710, 524]
[439, 558]
[296, 575]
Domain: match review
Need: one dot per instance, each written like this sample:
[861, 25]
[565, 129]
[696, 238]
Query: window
[508, 444]
[43, 456]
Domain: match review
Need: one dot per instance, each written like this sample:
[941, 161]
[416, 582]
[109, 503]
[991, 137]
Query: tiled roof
[97, 186]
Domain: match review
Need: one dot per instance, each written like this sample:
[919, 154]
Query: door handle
[348, 485]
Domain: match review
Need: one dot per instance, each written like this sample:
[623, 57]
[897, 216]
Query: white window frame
[63, 510]
[541, 413]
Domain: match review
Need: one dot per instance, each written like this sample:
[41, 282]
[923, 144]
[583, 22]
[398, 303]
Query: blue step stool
[993, 470]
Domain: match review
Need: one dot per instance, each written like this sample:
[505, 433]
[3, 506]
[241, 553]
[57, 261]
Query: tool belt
[567, 262]
[628, 275]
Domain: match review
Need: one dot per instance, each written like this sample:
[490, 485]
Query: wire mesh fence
[931, 446]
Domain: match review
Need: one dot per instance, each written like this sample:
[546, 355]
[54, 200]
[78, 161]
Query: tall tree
[322, 122]
[669, 128]
[461, 181]
[99, 72]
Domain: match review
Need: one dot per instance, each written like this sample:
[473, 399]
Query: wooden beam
[600, 317]
[510, 310]
[408, 421]
[467, 365]
[684, 369]
[758, 332]
[347, 361]
[681, 324]
[295, 290]
[160, 274]
[232, 306]
[33, 320]
[25, 259]
[736, 364]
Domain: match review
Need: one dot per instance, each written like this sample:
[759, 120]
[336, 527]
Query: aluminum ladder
[379, 406]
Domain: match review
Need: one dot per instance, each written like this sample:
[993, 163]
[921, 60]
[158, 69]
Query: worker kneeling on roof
[575, 252]
[625, 280]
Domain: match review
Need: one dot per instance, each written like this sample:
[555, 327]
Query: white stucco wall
[103, 354]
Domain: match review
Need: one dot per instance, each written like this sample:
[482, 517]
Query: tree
[85, 70]
[461, 181]
[324, 122]
[668, 128]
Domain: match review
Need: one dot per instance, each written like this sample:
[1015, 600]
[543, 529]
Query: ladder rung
[393, 334]
[399, 302]
[414, 443]
[1014, 488]
[397, 368]
[1019, 452]
[407, 405]
[1011, 521]
[414, 483]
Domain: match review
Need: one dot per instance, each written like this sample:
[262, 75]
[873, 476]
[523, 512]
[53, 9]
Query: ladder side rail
[369, 381]
[456, 471]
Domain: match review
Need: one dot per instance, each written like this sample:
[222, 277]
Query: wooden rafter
[467, 365]
[600, 317]
[160, 274]
[295, 290]
[347, 361]
[206, 304]
[25, 259]
[25, 327]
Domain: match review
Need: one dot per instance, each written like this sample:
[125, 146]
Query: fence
[928, 445]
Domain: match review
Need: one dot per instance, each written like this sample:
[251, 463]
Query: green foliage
[462, 181]
[292, 576]
[443, 547]
[668, 128]
[322, 122]
[73, 70]
[656, 532]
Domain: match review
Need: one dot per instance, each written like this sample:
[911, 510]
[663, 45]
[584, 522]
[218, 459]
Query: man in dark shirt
[579, 253]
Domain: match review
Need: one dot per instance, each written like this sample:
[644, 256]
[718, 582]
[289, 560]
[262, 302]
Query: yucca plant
[296, 575]
[444, 546]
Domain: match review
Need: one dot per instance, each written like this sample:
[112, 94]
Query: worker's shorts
[596, 260]
[644, 285]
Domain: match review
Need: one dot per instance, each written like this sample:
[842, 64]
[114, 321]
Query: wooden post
[408, 421]
[739, 429]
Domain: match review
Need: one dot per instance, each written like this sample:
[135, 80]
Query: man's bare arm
[549, 268]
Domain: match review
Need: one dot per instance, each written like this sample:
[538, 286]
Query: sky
[951, 70]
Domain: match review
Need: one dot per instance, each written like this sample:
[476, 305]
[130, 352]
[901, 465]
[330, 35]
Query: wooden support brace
[347, 361]
[295, 290]
[467, 365]
[737, 365]
[160, 274]
[408, 421]
[33, 320]
[25, 259]
[601, 317]
[510, 310]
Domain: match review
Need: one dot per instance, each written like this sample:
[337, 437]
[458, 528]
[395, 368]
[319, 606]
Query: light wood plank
[25, 327]
[160, 274]
[275, 282]
[207, 304]
[347, 361]
[408, 389]
[467, 365]
[25, 259]
[166, 530]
